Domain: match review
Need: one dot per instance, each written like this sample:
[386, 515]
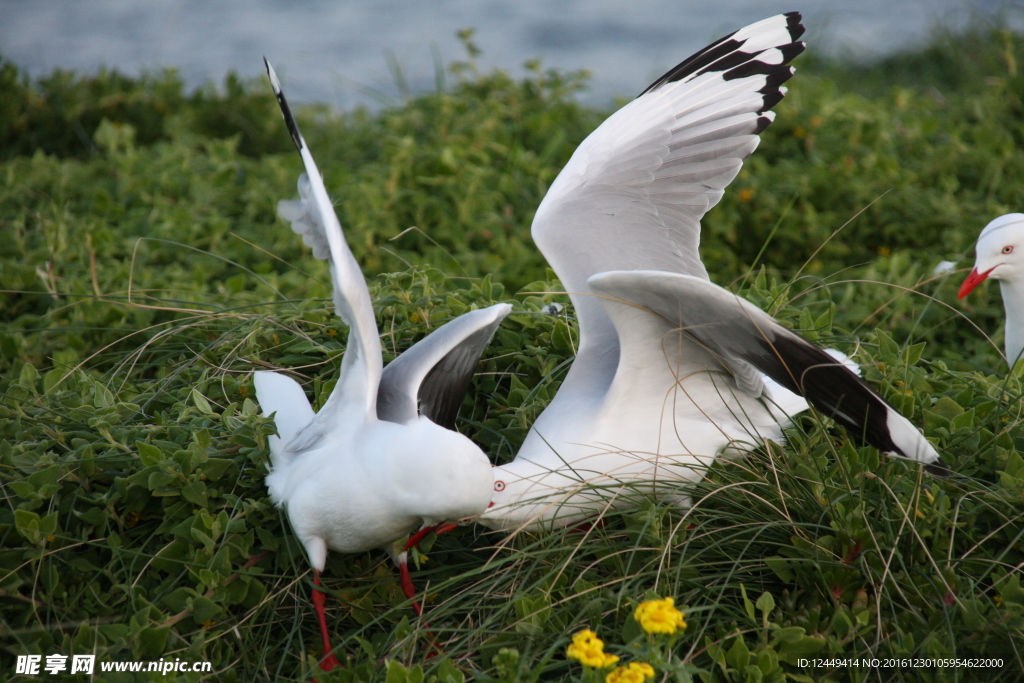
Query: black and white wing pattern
[633, 193]
[431, 378]
[741, 336]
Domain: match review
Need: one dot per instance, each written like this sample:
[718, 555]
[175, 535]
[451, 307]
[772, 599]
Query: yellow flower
[588, 650]
[636, 672]
[659, 616]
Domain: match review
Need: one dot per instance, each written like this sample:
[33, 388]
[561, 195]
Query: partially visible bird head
[1000, 253]
[528, 497]
[442, 475]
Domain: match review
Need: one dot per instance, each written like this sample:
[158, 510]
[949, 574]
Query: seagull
[999, 257]
[671, 370]
[381, 458]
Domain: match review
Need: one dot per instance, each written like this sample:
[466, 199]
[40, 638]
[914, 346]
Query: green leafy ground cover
[145, 276]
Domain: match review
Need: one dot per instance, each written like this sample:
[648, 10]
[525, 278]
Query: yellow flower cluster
[636, 672]
[588, 650]
[659, 616]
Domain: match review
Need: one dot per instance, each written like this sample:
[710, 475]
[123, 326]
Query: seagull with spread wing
[671, 370]
[381, 459]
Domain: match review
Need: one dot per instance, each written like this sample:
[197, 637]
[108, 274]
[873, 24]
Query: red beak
[972, 281]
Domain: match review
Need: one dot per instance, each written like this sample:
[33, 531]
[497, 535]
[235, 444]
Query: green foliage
[61, 113]
[145, 277]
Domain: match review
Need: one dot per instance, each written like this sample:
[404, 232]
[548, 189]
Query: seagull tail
[282, 398]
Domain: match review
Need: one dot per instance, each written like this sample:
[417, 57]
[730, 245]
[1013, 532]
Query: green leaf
[399, 674]
[753, 674]
[747, 605]
[562, 337]
[947, 408]
[195, 492]
[158, 479]
[149, 454]
[791, 651]
[912, 354]
[102, 398]
[765, 603]
[738, 656]
[22, 488]
[48, 524]
[178, 599]
[214, 468]
[28, 376]
[152, 642]
[789, 634]
[51, 378]
[780, 567]
[268, 539]
[204, 609]
[767, 661]
[447, 672]
[964, 421]
[45, 477]
[93, 516]
[27, 523]
[203, 538]
[201, 403]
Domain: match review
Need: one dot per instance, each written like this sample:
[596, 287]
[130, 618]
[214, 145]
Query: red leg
[417, 537]
[445, 528]
[319, 598]
[410, 592]
[408, 588]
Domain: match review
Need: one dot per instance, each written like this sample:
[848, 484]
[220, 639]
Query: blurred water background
[348, 53]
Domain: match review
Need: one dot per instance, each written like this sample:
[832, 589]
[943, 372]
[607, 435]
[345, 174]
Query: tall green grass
[145, 277]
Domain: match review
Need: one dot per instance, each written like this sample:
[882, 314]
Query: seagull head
[1000, 253]
[528, 496]
[435, 473]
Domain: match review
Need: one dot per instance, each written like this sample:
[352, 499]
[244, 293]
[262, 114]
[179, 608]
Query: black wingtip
[762, 123]
[725, 55]
[937, 469]
[793, 25]
[828, 385]
[286, 112]
[771, 98]
[793, 50]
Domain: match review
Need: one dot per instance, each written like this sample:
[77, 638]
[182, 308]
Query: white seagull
[670, 369]
[1000, 256]
[377, 462]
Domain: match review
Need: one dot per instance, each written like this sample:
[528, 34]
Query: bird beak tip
[971, 281]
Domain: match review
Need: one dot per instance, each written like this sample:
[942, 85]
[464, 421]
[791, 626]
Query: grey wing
[742, 336]
[431, 378]
[633, 193]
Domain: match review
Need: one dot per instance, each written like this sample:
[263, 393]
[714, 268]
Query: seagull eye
[1008, 249]
[499, 486]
